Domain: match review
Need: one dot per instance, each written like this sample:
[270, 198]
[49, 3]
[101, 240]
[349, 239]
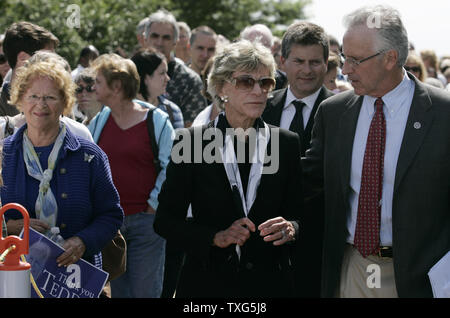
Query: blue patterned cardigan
[88, 201]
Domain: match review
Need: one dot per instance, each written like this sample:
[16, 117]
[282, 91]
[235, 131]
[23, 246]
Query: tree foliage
[110, 24]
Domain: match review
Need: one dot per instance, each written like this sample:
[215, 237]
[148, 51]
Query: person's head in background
[415, 66]
[152, 68]
[117, 80]
[23, 39]
[85, 94]
[258, 32]
[182, 49]
[335, 47]
[162, 32]
[87, 55]
[332, 69]
[430, 60]
[202, 47]
[276, 51]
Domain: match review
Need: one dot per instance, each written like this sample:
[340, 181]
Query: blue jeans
[145, 259]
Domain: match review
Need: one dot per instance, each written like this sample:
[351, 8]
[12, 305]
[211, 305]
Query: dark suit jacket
[421, 200]
[280, 80]
[307, 274]
[209, 271]
[275, 105]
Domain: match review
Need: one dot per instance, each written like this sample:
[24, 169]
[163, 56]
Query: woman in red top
[125, 139]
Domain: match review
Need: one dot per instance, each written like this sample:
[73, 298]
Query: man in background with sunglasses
[304, 57]
[381, 155]
[22, 40]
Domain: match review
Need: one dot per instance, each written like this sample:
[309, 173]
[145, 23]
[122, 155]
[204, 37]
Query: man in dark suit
[381, 154]
[304, 57]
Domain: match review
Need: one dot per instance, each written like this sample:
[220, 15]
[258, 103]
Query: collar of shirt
[393, 100]
[308, 100]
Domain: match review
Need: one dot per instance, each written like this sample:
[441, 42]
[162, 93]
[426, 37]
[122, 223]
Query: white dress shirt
[289, 109]
[397, 104]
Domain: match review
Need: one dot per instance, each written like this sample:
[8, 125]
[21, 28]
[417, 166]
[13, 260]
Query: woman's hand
[14, 227]
[277, 230]
[237, 233]
[74, 250]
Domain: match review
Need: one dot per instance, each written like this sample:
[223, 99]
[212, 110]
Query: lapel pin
[417, 125]
[87, 157]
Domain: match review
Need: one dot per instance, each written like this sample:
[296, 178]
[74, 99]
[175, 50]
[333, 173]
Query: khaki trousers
[371, 277]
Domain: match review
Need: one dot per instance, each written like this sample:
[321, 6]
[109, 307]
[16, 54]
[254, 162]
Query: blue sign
[79, 280]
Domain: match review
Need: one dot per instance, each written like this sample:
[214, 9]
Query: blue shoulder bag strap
[153, 143]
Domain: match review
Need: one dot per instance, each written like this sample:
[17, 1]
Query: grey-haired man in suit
[381, 154]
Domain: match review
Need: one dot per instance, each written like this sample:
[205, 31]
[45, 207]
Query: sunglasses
[246, 83]
[88, 89]
[2, 58]
[415, 69]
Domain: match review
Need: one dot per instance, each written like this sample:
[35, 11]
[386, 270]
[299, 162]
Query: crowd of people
[358, 132]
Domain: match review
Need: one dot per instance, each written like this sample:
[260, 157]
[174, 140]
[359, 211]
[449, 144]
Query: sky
[427, 22]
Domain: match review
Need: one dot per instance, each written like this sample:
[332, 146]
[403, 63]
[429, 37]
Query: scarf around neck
[46, 207]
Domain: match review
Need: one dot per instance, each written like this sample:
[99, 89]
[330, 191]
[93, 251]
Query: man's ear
[282, 60]
[282, 63]
[391, 59]
[22, 57]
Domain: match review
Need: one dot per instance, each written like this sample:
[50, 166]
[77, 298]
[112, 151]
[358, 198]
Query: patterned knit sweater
[88, 202]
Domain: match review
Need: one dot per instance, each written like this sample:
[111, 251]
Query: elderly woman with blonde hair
[122, 129]
[62, 180]
[8, 124]
[246, 201]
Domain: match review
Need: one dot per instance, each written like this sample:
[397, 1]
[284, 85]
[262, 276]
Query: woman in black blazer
[243, 180]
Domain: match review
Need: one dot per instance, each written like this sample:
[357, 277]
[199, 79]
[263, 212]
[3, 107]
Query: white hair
[389, 27]
[163, 16]
[258, 32]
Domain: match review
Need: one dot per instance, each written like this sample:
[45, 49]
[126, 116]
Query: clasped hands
[276, 230]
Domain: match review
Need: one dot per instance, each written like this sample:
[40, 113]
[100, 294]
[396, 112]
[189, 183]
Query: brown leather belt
[384, 251]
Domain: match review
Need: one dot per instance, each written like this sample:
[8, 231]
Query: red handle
[22, 245]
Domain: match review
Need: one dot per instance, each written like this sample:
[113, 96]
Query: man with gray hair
[185, 86]
[380, 154]
[262, 34]
[258, 32]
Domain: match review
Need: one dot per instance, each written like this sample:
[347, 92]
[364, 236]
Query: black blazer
[209, 271]
[275, 105]
[307, 275]
[421, 200]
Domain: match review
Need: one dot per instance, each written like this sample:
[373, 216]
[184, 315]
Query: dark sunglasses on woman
[246, 82]
[88, 89]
